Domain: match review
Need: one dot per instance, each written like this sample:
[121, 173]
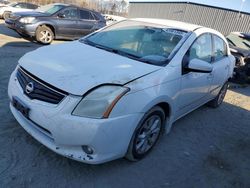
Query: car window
[96, 17]
[220, 49]
[71, 13]
[23, 5]
[31, 6]
[201, 48]
[86, 15]
[18, 5]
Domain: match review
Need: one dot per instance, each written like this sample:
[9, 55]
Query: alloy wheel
[148, 134]
[46, 36]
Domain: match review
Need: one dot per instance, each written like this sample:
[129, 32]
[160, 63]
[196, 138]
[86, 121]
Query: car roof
[60, 4]
[170, 23]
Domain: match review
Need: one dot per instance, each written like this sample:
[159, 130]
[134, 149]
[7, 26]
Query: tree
[114, 7]
[123, 6]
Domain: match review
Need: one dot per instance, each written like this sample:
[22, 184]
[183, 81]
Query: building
[222, 19]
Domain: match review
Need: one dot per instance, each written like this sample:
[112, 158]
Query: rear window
[31, 6]
[96, 17]
[239, 40]
[86, 15]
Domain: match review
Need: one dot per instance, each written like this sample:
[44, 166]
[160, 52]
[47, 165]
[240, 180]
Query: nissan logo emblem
[29, 87]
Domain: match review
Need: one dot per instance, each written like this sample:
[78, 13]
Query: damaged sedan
[239, 44]
[114, 92]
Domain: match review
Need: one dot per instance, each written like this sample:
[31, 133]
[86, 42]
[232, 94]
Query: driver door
[66, 22]
[195, 85]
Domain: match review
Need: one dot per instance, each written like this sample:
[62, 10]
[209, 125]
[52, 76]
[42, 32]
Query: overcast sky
[231, 4]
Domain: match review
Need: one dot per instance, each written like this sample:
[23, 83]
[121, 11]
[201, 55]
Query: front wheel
[44, 35]
[216, 102]
[6, 15]
[146, 135]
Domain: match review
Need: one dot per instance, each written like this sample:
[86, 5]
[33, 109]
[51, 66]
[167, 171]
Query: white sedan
[6, 10]
[112, 93]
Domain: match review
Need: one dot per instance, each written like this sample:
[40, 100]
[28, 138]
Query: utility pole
[241, 7]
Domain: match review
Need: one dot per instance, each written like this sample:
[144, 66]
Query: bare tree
[117, 7]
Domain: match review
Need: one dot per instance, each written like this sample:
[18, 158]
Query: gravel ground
[207, 148]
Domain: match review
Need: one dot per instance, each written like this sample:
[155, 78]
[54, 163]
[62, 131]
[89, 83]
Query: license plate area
[20, 106]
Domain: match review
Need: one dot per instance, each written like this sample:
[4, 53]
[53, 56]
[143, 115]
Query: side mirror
[61, 15]
[197, 65]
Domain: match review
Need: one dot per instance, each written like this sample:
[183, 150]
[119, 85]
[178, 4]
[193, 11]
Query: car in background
[112, 93]
[16, 7]
[110, 19]
[239, 44]
[56, 21]
[3, 3]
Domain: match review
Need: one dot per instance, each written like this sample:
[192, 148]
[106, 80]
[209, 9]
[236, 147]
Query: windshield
[50, 9]
[145, 42]
[239, 40]
[12, 4]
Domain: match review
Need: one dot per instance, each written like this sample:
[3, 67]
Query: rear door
[221, 64]
[86, 22]
[66, 22]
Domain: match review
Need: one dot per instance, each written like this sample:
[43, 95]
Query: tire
[44, 35]
[216, 102]
[6, 15]
[148, 130]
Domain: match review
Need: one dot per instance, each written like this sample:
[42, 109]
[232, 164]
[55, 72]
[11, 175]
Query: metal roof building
[221, 19]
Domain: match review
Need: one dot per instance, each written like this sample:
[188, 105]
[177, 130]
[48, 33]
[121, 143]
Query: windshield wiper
[126, 54]
[246, 44]
[122, 53]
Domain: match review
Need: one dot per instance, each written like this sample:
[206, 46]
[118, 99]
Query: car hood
[30, 14]
[76, 67]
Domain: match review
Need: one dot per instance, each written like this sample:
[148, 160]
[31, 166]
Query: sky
[243, 5]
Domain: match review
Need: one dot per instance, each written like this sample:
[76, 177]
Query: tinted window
[86, 15]
[31, 6]
[96, 17]
[23, 5]
[18, 5]
[202, 48]
[70, 13]
[219, 48]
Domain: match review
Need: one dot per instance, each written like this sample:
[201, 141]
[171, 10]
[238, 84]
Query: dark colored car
[239, 44]
[56, 21]
[4, 2]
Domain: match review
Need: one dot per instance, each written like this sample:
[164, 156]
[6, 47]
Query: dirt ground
[207, 148]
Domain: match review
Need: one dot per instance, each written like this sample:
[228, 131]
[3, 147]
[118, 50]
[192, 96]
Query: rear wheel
[44, 35]
[216, 102]
[146, 135]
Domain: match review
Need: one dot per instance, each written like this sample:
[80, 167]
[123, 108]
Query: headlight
[27, 20]
[100, 102]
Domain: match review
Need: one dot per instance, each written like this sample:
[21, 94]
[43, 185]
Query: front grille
[41, 91]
